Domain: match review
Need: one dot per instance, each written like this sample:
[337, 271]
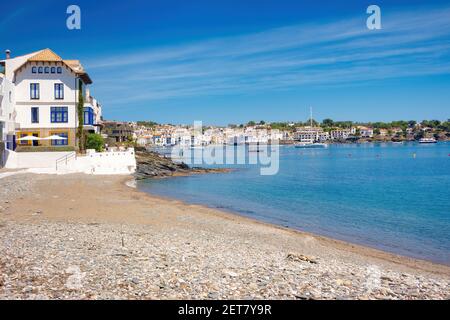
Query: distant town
[148, 133]
[46, 105]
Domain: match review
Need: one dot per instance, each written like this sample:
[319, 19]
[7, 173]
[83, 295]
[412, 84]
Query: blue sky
[234, 61]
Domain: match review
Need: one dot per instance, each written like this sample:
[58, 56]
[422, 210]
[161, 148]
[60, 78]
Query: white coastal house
[144, 140]
[214, 136]
[7, 118]
[92, 114]
[365, 132]
[342, 134]
[276, 135]
[39, 95]
[45, 97]
[311, 134]
[7, 115]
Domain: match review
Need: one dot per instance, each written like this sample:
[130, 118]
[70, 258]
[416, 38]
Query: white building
[144, 140]
[45, 97]
[7, 115]
[311, 134]
[92, 114]
[7, 118]
[276, 134]
[342, 134]
[214, 136]
[365, 132]
[182, 137]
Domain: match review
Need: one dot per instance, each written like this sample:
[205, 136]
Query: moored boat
[428, 140]
[311, 145]
[313, 141]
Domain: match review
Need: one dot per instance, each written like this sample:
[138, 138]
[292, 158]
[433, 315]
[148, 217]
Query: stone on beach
[174, 251]
[301, 257]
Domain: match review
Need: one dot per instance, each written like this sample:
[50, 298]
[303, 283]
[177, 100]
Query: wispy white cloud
[339, 52]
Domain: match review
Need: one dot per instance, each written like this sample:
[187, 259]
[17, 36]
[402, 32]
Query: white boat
[428, 140]
[311, 144]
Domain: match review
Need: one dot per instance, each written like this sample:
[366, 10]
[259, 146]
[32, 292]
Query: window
[34, 115]
[34, 91]
[40, 70]
[33, 70]
[34, 143]
[59, 70]
[60, 142]
[10, 141]
[59, 115]
[88, 116]
[23, 142]
[52, 69]
[59, 91]
[46, 69]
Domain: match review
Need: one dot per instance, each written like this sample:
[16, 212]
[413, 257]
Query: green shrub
[95, 141]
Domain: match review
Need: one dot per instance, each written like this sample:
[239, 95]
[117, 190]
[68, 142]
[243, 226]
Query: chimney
[8, 54]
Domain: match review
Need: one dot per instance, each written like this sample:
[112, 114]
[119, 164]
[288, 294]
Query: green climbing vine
[80, 110]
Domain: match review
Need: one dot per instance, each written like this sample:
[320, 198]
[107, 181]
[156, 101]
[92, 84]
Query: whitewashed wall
[30, 160]
[115, 162]
[46, 97]
[12, 64]
[111, 162]
[7, 106]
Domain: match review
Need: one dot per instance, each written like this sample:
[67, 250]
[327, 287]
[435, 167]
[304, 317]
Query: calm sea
[378, 195]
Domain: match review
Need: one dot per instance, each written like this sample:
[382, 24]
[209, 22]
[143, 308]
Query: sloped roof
[48, 55]
[74, 65]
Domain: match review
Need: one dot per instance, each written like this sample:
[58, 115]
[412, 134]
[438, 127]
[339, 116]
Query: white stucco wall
[46, 100]
[28, 160]
[6, 106]
[46, 81]
[24, 117]
[114, 162]
[13, 63]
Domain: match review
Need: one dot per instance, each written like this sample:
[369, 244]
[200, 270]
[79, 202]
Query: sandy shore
[92, 237]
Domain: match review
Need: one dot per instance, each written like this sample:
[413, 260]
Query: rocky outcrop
[153, 165]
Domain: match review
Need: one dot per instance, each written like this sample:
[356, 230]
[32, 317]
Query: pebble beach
[94, 237]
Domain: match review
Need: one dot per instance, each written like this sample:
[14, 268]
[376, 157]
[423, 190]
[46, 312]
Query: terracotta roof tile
[74, 65]
[46, 55]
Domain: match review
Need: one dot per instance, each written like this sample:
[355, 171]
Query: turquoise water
[378, 195]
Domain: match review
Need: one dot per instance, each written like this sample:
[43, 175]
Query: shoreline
[423, 264]
[125, 240]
